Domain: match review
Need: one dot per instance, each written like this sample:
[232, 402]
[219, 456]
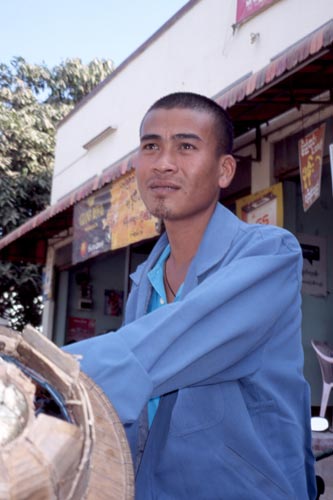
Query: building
[269, 62]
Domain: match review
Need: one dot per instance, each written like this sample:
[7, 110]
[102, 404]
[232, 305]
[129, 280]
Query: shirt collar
[155, 275]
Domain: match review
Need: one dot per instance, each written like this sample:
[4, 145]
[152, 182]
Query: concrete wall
[200, 52]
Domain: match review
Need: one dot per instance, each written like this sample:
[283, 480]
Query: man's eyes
[183, 146]
[149, 146]
[187, 146]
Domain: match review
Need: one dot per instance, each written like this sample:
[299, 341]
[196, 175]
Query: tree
[33, 99]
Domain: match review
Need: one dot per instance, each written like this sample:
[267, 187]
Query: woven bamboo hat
[60, 437]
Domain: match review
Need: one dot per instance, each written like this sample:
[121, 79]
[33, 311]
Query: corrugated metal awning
[296, 76]
[54, 219]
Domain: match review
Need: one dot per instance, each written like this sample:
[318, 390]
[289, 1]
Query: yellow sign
[263, 207]
[310, 150]
[128, 218]
[113, 217]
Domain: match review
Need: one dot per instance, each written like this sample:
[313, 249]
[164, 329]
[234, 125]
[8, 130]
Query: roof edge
[170, 22]
[286, 61]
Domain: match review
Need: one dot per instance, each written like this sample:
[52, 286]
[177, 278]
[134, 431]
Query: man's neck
[184, 239]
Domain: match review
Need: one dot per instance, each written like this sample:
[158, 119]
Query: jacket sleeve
[223, 321]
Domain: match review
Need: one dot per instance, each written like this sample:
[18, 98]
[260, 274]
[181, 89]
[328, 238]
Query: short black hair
[190, 100]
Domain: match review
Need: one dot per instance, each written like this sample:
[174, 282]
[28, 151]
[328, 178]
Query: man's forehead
[186, 117]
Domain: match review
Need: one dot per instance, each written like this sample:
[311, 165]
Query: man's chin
[161, 212]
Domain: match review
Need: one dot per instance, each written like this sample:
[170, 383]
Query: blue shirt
[158, 299]
[227, 357]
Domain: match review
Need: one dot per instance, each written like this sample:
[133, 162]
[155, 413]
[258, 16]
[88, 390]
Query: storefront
[93, 238]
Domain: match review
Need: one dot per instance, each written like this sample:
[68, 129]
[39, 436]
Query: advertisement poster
[127, 218]
[48, 276]
[91, 235]
[248, 8]
[263, 207]
[113, 302]
[314, 273]
[310, 153]
[112, 218]
[79, 329]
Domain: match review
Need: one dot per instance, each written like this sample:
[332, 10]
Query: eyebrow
[155, 137]
[150, 137]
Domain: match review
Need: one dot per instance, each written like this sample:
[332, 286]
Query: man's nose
[166, 161]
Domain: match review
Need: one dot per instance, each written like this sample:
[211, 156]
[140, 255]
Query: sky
[51, 32]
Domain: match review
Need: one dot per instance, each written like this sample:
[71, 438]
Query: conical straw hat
[60, 437]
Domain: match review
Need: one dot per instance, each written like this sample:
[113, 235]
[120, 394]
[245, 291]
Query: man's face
[178, 170]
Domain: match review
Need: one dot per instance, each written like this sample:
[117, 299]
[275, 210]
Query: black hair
[190, 100]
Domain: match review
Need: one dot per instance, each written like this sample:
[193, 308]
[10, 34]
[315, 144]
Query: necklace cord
[167, 281]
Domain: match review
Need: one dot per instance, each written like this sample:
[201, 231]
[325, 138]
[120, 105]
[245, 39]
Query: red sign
[310, 152]
[79, 329]
[248, 8]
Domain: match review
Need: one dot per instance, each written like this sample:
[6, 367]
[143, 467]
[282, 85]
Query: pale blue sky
[53, 31]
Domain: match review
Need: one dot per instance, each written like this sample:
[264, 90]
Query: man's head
[184, 157]
[189, 100]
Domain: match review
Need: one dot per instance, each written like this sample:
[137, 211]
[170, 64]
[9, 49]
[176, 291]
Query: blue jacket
[234, 415]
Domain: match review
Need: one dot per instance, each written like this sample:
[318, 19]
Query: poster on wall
[79, 329]
[113, 218]
[113, 302]
[314, 273]
[47, 278]
[248, 8]
[263, 207]
[310, 153]
[91, 235]
[128, 218]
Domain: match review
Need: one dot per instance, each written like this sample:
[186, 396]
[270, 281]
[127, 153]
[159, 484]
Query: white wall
[201, 53]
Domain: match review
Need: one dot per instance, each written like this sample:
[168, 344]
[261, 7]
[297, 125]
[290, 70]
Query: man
[207, 373]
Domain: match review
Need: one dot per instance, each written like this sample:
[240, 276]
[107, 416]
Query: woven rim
[111, 474]
[88, 460]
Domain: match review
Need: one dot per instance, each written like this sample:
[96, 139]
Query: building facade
[269, 62]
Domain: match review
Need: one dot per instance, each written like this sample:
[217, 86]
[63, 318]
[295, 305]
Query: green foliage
[21, 300]
[33, 99]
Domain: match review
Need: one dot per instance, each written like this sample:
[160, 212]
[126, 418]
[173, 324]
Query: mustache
[155, 182]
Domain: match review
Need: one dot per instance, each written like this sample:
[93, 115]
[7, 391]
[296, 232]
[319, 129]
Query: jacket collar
[216, 240]
[215, 243]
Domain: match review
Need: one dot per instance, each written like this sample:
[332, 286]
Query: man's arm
[224, 320]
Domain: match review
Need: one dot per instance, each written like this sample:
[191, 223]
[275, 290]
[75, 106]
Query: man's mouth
[163, 187]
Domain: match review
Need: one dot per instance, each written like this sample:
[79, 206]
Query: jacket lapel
[215, 243]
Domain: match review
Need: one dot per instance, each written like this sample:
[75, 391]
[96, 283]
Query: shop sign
[114, 217]
[91, 235]
[314, 273]
[248, 8]
[128, 218]
[310, 152]
[80, 329]
[263, 207]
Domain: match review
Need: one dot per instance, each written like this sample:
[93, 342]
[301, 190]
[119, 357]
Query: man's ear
[227, 170]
